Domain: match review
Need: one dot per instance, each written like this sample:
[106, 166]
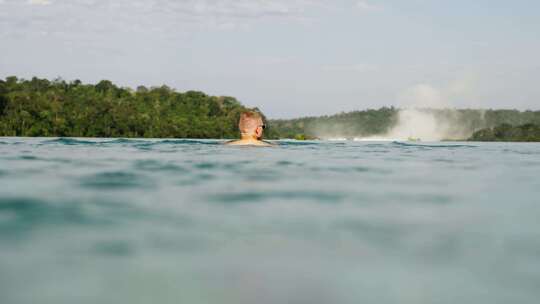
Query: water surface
[193, 221]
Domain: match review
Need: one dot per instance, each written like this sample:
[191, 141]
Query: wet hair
[249, 121]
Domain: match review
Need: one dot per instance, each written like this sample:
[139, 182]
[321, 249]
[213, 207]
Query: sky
[290, 58]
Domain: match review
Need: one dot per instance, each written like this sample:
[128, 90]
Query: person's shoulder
[261, 143]
[233, 143]
[267, 144]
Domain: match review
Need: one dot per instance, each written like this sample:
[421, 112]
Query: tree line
[378, 122]
[347, 124]
[506, 132]
[39, 107]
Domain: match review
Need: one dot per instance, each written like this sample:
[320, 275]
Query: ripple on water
[118, 248]
[125, 141]
[353, 169]
[404, 144]
[427, 198]
[372, 145]
[69, 141]
[262, 175]
[187, 141]
[22, 215]
[147, 143]
[298, 143]
[521, 152]
[284, 163]
[234, 166]
[195, 179]
[150, 145]
[18, 215]
[443, 160]
[288, 163]
[206, 165]
[116, 180]
[158, 166]
[380, 233]
[260, 196]
[140, 144]
[144, 147]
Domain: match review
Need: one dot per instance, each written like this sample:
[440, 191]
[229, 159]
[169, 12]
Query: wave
[124, 141]
[155, 165]
[21, 214]
[153, 142]
[139, 143]
[116, 180]
[149, 143]
[255, 197]
[293, 144]
[69, 141]
[521, 152]
[188, 141]
[403, 144]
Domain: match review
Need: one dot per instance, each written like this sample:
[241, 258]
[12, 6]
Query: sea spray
[429, 125]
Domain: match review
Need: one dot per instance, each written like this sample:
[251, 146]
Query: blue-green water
[182, 221]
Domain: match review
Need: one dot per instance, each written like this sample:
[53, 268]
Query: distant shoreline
[44, 108]
[472, 140]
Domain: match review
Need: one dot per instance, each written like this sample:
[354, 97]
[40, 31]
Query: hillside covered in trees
[506, 132]
[380, 122]
[39, 107]
[349, 124]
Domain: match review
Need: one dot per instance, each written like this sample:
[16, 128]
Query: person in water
[251, 128]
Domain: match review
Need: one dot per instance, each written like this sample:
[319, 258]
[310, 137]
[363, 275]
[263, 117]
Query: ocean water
[194, 221]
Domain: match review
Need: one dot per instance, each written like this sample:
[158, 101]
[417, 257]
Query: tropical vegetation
[506, 132]
[39, 107]
[378, 122]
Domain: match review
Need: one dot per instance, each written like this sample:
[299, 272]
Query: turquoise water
[186, 221]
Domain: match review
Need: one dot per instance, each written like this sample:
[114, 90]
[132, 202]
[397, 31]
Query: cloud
[368, 6]
[459, 91]
[238, 9]
[361, 67]
[39, 2]
[166, 17]
[272, 60]
[423, 96]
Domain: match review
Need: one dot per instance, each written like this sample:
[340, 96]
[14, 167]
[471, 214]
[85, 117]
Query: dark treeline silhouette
[39, 107]
[507, 132]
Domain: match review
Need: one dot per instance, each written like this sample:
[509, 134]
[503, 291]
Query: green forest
[350, 124]
[506, 132]
[41, 107]
[376, 122]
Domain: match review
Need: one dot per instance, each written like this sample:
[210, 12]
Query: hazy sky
[289, 57]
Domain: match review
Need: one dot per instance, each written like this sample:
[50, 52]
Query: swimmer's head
[251, 124]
